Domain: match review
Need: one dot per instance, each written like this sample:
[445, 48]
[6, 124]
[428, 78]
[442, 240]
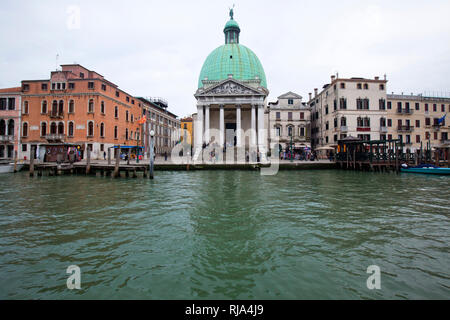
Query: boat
[9, 167]
[426, 169]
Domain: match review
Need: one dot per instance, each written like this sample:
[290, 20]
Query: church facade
[231, 101]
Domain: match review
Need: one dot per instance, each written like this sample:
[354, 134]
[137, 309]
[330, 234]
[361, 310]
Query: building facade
[10, 103]
[231, 98]
[165, 125]
[414, 119]
[348, 107]
[289, 121]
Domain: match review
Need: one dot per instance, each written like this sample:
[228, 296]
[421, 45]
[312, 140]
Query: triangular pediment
[290, 95]
[230, 87]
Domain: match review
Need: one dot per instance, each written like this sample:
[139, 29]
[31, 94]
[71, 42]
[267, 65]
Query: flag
[442, 119]
[142, 120]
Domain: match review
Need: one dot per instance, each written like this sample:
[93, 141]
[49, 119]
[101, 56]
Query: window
[53, 128]
[382, 104]
[389, 136]
[427, 121]
[116, 112]
[128, 99]
[442, 108]
[389, 105]
[302, 115]
[289, 115]
[381, 86]
[71, 106]
[90, 85]
[44, 86]
[132, 118]
[126, 115]
[91, 106]
[90, 129]
[115, 132]
[26, 87]
[102, 130]
[342, 103]
[417, 106]
[126, 134]
[434, 107]
[290, 131]
[24, 147]
[132, 101]
[103, 87]
[61, 107]
[435, 136]
[290, 101]
[342, 85]
[334, 104]
[11, 103]
[366, 86]
[426, 107]
[25, 129]
[25, 107]
[389, 122]
[70, 133]
[418, 138]
[71, 85]
[117, 94]
[335, 122]
[81, 75]
[335, 138]
[359, 86]
[43, 129]
[326, 109]
[343, 122]
[44, 107]
[278, 115]
[327, 126]
[302, 132]
[61, 128]
[102, 107]
[417, 123]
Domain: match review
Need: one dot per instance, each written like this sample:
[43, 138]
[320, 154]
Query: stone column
[261, 133]
[199, 125]
[253, 128]
[238, 126]
[207, 135]
[222, 127]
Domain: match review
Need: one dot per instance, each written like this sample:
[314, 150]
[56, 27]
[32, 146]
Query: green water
[225, 235]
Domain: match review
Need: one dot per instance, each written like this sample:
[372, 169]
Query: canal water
[226, 235]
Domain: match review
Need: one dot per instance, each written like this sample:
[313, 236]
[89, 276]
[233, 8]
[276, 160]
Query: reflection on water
[225, 235]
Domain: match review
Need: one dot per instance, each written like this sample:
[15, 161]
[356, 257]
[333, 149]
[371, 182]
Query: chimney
[315, 92]
[332, 78]
[310, 96]
[377, 78]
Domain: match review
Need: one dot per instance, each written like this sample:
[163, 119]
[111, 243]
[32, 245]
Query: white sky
[157, 48]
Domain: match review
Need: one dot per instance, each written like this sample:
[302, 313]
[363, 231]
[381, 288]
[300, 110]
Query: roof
[11, 90]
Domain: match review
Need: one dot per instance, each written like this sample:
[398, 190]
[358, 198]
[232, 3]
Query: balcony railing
[6, 138]
[344, 129]
[58, 115]
[362, 128]
[383, 129]
[55, 137]
[405, 111]
[436, 127]
[405, 128]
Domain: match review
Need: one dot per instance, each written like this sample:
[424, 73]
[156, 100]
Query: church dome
[232, 58]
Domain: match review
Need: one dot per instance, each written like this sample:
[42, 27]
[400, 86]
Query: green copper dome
[235, 59]
[232, 58]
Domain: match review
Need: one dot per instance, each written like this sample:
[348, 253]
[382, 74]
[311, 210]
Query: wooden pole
[396, 157]
[15, 161]
[116, 168]
[88, 161]
[436, 158]
[109, 156]
[448, 156]
[32, 153]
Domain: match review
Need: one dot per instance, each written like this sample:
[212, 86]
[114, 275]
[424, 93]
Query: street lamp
[152, 134]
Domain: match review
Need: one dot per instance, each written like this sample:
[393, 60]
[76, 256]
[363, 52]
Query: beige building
[348, 107]
[289, 121]
[415, 119]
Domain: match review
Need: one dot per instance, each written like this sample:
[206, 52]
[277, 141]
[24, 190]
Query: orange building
[80, 107]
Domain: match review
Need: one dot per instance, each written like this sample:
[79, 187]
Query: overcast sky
[157, 48]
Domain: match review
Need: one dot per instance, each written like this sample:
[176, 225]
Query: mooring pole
[152, 133]
[116, 168]
[32, 152]
[88, 161]
[109, 156]
[15, 161]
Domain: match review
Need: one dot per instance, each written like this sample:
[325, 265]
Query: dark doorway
[230, 133]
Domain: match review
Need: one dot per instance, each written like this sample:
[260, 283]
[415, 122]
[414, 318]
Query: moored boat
[9, 167]
[427, 169]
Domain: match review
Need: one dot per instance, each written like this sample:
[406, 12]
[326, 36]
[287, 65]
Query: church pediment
[290, 95]
[230, 88]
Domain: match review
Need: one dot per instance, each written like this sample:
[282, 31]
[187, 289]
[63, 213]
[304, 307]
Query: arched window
[126, 134]
[43, 129]
[126, 115]
[115, 132]
[102, 130]
[102, 107]
[91, 106]
[116, 112]
[25, 107]
[25, 129]
[54, 107]
[290, 131]
[53, 128]
[2, 127]
[44, 106]
[61, 128]
[61, 107]
[70, 129]
[71, 106]
[11, 127]
[90, 129]
[382, 122]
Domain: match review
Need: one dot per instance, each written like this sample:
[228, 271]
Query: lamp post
[152, 133]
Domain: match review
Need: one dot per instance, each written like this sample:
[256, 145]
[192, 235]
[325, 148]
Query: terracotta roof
[12, 90]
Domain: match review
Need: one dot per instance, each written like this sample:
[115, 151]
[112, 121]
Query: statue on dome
[232, 12]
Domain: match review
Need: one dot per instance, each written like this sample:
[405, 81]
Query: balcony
[437, 127]
[405, 111]
[54, 137]
[383, 129]
[344, 129]
[405, 128]
[56, 115]
[363, 129]
[6, 138]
